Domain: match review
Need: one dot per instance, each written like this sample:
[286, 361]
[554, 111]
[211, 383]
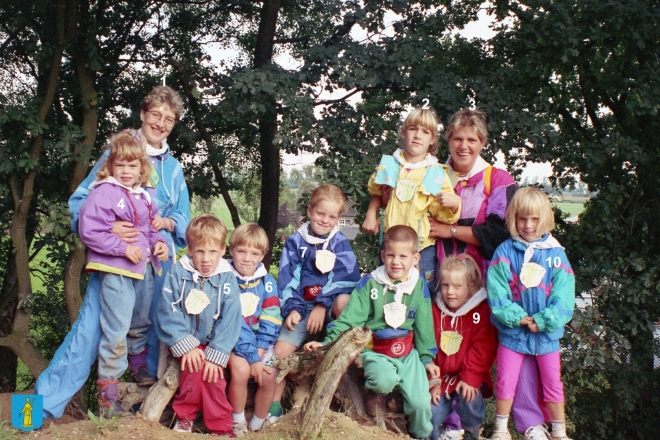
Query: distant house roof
[350, 231]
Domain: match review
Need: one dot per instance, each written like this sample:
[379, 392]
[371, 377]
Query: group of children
[214, 313]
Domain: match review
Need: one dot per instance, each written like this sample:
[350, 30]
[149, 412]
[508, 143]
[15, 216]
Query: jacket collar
[260, 272]
[476, 299]
[427, 162]
[191, 273]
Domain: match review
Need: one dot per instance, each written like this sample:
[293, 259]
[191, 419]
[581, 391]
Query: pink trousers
[508, 371]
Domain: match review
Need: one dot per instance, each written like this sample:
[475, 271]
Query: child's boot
[109, 398]
[138, 364]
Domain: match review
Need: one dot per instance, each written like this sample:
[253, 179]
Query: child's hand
[291, 320]
[161, 251]
[468, 392]
[527, 320]
[436, 395]
[212, 372]
[257, 370]
[370, 225]
[449, 200]
[126, 231]
[315, 319]
[133, 253]
[433, 370]
[159, 223]
[194, 359]
[533, 327]
[311, 346]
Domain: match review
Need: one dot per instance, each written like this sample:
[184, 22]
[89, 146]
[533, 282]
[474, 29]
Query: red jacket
[476, 354]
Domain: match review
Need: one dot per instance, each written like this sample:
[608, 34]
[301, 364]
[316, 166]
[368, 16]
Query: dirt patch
[336, 427]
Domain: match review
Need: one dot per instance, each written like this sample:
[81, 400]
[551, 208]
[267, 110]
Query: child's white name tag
[395, 314]
[405, 190]
[196, 302]
[249, 303]
[325, 260]
[531, 274]
[450, 342]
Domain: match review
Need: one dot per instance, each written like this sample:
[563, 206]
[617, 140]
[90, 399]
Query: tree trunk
[162, 392]
[206, 137]
[22, 188]
[333, 367]
[270, 153]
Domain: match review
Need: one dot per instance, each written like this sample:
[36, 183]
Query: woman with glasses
[70, 367]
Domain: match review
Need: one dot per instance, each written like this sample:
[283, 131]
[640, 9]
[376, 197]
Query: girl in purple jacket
[126, 278]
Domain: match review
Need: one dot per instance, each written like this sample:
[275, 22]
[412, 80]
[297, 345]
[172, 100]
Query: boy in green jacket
[394, 302]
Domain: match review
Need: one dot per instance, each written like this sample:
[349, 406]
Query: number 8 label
[374, 294]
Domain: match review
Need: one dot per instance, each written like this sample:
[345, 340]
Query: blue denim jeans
[125, 304]
[428, 266]
[472, 414]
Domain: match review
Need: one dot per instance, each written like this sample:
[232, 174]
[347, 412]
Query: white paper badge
[325, 260]
[395, 314]
[450, 342]
[196, 302]
[405, 190]
[531, 274]
[249, 303]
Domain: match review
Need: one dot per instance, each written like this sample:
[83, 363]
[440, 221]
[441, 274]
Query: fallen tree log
[161, 392]
[334, 365]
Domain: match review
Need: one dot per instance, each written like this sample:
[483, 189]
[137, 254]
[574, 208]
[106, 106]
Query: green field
[571, 206]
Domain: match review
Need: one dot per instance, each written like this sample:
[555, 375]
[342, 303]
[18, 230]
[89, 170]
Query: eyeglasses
[156, 116]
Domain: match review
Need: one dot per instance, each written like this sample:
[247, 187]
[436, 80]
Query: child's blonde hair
[424, 118]
[204, 229]
[401, 234]
[249, 234]
[466, 117]
[328, 193]
[530, 201]
[124, 146]
[467, 267]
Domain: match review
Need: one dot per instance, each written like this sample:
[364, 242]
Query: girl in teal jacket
[531, 292]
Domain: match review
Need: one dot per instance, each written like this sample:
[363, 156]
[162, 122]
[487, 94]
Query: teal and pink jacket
[550, 303]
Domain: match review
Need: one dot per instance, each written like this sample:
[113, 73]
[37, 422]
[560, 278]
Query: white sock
[501, 423]
[256, 423]
[558, 428]
[238, 418]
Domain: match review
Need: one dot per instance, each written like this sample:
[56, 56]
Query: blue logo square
[27, 411]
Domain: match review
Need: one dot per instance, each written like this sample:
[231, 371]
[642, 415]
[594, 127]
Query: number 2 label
[425, 106]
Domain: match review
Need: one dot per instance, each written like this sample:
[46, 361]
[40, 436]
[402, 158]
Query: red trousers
[195, 395]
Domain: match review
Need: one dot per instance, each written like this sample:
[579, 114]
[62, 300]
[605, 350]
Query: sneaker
[537, 432]
[142, 378]
[240, 428]
[182, 425]
[270, 420]
[451, 434]
[500, 435]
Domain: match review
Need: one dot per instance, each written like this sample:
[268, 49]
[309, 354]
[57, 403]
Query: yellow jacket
[422, 204]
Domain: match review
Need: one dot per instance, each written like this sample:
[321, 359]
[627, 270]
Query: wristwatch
[452, 231]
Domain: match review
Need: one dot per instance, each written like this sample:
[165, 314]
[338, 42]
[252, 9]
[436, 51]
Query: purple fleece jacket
[109, 203]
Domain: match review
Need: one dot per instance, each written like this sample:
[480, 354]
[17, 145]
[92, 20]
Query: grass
[569, 207]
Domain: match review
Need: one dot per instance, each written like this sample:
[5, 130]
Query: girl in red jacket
[467, 344]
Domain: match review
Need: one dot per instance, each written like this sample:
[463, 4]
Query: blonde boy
[394, 302]
[199, 319]
[262, 319]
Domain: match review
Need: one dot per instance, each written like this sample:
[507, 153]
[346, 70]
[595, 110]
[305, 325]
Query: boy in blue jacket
[260, 305]
[199, 319]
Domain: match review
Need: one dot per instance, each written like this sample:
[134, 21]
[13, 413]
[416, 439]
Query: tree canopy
[570, 82]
